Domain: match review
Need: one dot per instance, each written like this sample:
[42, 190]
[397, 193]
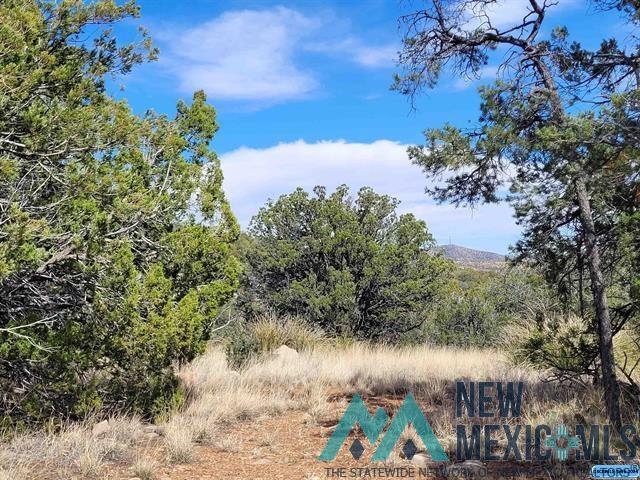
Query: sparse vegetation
[269, 386]
[74, 449]
[119, 252]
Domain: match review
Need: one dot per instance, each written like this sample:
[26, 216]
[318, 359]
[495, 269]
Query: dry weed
[145, 468]
[219, 396]
[179, 446]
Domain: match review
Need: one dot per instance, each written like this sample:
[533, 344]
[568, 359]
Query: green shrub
[563, 345]
[351, 265]
[240, 345]
[475, 308]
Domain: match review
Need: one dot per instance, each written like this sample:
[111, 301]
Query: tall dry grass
[70, 452]
[270, 331]
[219, 395]
[275, 384]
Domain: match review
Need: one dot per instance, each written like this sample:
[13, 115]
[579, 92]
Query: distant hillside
[469, 257]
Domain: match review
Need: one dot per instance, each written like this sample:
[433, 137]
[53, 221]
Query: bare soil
[283, 447]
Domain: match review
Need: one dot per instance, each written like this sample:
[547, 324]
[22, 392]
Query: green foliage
[476, 308]
[115, 235]
[556, 343]
[557, 138]
[350, 266]
[630, 243]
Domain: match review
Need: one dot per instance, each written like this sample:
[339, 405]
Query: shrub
[106, 278]
[351, 266]
[240, 346]
[475, 308]
[557, 343]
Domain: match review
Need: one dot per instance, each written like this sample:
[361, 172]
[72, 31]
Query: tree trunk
[605, 333]
[581, 279]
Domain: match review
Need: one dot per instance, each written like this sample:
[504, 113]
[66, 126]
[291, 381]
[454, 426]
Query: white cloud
[508, 13]
[254, 175]
[255, 55]
[357, 51]
[245, 55]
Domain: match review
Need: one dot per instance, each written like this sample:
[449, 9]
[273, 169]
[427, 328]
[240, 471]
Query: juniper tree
[352, 266]
[114, 238]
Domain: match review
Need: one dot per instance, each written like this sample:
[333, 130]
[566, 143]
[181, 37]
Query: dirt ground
[287, 446]
[279, 448]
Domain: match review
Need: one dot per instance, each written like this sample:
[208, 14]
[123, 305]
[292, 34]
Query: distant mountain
[469, 257]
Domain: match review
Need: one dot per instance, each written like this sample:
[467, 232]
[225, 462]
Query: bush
[562, 345]
[351, 266]
[475, 308]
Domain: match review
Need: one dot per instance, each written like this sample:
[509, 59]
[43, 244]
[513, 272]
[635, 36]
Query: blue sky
[302, 94]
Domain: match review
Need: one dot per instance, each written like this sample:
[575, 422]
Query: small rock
[101, 428]
[285, 353]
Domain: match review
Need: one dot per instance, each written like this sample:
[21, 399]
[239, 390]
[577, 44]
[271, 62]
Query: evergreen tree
[115, 233]
[351, 266]
[561, 163]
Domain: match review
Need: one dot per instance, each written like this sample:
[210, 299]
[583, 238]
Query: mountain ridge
[472, 258]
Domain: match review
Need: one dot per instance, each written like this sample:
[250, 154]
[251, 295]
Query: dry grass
[71, 451]
[275, 384]
[16, 471]
[220, 396]
[271, 331]
[179, 445]
[145, 467]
